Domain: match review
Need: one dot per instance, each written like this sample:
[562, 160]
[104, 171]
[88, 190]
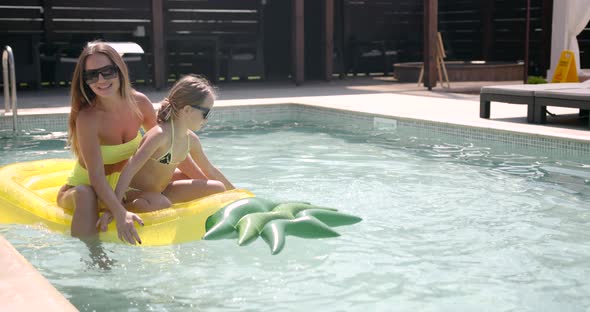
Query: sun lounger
[519, 94]
[576, 98]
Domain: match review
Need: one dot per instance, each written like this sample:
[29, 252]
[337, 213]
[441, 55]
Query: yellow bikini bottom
[79, 176]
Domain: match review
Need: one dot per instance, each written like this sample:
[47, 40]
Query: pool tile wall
[334, 118]
[47, 122]
[253, 112]
[450, 132]
[347, 120]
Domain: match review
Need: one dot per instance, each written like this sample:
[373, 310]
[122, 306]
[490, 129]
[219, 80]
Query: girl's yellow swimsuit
[111, 154]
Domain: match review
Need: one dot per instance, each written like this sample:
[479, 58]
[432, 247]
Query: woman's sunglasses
[107, 72]
[204, 110]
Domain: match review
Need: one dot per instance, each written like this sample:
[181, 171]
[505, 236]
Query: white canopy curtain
[569, 19]
[578, 15]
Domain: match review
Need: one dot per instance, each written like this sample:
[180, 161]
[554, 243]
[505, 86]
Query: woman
[105, 118]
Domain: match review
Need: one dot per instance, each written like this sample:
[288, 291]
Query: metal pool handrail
[9, 85]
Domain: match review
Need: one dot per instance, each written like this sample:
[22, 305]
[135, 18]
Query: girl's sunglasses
[107, 72]
[204, 110]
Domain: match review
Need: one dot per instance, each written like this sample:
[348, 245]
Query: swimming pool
[447, 226]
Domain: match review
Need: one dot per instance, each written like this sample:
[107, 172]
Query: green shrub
[536, 80]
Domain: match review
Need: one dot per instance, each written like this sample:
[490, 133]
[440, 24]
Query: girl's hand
[125, 227]
[104, 220]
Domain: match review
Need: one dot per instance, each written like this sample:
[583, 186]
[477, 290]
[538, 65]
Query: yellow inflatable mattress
[28, 193]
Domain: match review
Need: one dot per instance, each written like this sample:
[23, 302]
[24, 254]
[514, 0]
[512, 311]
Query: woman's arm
[203, 162]
[147, 110]
[87, 131]
[149, 145]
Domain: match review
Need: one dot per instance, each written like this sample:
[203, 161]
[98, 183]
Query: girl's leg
[147, 202]
[187, 190]
[137, 202]
[179, 175]
[82, 200]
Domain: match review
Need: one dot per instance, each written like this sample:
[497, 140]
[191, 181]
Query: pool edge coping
[23, 288]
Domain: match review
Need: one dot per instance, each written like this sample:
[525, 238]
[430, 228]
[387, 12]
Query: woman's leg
[187, 190]
[83, 201]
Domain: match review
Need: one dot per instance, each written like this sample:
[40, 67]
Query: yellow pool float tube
[28, 194]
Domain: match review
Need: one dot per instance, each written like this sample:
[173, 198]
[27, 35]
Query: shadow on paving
[236, 90]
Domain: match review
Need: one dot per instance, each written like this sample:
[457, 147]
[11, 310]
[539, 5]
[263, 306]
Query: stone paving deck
[378, 95]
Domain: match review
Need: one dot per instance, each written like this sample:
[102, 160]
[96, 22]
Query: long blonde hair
[189, 90]
[82, 96]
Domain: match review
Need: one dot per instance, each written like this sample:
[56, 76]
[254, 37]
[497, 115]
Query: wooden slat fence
[460, 24]
[381, 32]
[584, 45]
[218, 38]
[72, 23]
[21, 27]
[227, 33]
[225, 38]
[491, 30]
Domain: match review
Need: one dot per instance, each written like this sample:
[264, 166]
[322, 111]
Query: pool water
[446, 226]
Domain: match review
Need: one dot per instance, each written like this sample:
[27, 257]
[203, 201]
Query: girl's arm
[191, 170]
[149, 145]
[90, 153]
[203, 162]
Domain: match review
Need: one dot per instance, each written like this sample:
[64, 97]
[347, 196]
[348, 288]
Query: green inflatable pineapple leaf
[249, 218]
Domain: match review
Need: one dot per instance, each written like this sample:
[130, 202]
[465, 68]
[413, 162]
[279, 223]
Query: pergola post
[298, 41]
[158, 44]
[487, 29]
[48, 20]
[430, 41]
[547, 14]
[526, 41]
[328, 39]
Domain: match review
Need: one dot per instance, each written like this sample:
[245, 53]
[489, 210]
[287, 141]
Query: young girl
[145, 182]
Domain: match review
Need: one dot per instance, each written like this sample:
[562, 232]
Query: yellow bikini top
[112, 154]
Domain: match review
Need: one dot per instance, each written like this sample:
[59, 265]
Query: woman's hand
[104, 220]
[125, 227]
